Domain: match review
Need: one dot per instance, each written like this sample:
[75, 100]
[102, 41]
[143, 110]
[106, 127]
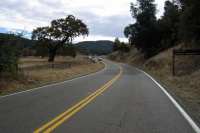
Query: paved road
[118, 99]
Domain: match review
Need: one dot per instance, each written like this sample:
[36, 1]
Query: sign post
[173, 65]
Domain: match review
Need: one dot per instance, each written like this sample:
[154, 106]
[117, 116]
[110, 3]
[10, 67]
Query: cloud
[104, 18]
[160, 7]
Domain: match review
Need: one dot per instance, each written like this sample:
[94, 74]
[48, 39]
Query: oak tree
[140, 33]
[60, 32]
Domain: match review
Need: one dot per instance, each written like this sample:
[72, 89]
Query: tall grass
[29, 78]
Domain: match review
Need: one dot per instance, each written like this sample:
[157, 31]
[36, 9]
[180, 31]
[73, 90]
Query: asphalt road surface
[118, 99]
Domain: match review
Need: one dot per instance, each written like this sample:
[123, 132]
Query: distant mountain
[94, 47]
[86, 47]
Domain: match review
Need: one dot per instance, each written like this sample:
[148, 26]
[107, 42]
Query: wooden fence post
[173, 65]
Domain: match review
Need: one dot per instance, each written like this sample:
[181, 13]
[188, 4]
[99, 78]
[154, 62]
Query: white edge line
[53, 84]
[191, 122]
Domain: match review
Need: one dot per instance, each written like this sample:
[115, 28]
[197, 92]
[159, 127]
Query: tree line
[101, 47]
[25, 46]
[120, 46]
[178, 25]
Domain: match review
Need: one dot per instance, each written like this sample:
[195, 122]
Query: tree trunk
[53, 50]
[52, 54]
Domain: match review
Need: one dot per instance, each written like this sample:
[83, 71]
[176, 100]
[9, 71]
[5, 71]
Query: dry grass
[184, 86]
[34, 78]
[34, 61]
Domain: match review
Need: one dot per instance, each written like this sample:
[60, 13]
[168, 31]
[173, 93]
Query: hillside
[102, 47]
[23, 42]
[94, 47]
[184, 86]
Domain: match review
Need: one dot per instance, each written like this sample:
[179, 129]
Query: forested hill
[94, 47]
[23, 42]
[102, 47]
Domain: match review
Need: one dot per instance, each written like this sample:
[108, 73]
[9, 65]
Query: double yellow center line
[67, 114]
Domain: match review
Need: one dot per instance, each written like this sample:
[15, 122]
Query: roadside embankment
[184, 86]
[37, 72]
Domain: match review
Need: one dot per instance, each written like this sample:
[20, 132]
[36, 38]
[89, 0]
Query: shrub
[9, 54]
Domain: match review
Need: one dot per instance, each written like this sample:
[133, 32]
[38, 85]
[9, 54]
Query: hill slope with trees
[23, 43]
[178, 25]
[94, 47]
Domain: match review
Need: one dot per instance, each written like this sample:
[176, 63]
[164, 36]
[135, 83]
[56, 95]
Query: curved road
[118, 99]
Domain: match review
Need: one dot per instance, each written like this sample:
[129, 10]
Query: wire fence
[52, 66]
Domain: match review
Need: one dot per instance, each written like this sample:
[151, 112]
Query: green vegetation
[120, 46]
[143, 34]
[60, 32]
[179, 24]
[94, 47]
[9, 54]
[189, 26]
[25, 46]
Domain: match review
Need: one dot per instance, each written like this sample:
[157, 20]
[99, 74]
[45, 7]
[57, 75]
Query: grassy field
[37, 72]
[184, 86]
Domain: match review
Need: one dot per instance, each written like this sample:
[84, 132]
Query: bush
[9, 54]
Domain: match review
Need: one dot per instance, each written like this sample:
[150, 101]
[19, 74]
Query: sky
[105, 19]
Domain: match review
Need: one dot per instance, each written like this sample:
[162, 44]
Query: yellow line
[69, 110]
[76, 107]
[76, 110]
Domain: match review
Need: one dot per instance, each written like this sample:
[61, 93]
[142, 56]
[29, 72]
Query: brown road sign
[186, 52]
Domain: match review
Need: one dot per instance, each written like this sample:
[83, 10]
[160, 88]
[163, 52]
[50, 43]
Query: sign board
[186, 52]
[183, 52]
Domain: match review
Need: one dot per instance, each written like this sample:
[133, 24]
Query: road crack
[123, 118]
[110, 124]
